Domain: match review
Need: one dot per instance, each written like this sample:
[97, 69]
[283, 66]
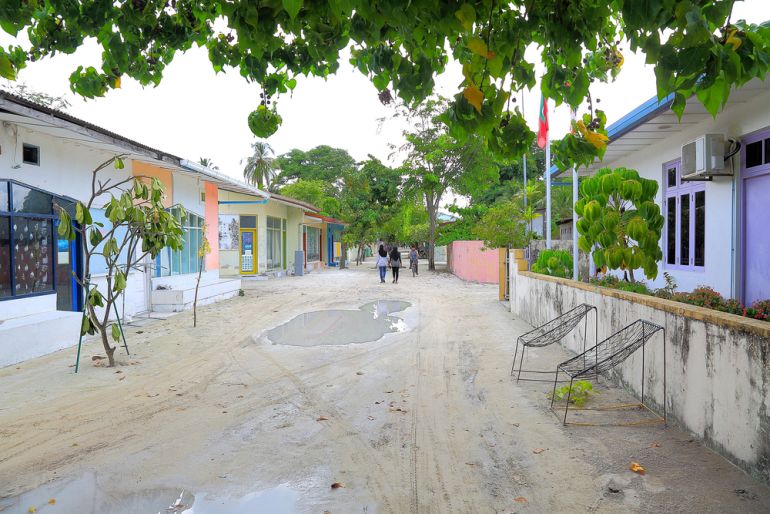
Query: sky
[196, 113]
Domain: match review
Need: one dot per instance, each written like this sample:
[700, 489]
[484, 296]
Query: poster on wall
[229, 227]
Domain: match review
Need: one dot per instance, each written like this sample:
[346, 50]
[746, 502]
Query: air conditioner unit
[704, 157]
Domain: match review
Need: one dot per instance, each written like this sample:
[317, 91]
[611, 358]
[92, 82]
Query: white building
[715, 232]
[48, 156]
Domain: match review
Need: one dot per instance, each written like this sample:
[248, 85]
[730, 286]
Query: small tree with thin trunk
[203, 250]
[138, 225]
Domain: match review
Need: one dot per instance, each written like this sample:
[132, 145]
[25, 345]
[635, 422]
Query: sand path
[427, 420]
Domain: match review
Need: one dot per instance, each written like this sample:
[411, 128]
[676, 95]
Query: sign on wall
[229, 228]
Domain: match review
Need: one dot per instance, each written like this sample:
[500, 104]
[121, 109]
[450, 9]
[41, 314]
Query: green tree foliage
[620, 221]
[316, 192]
[461, 229]
[437, 163]
[208, 162]
[138, 226]
[511, 178]
[260, 168]
[401, 46]
[557, 263]
[370, 198]
[322, 163]
[407, 224]
[503, 226]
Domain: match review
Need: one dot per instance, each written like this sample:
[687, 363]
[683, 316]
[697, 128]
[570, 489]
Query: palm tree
[261, 167]
[208, 162]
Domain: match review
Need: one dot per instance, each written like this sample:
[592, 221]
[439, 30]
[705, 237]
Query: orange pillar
[211, 215]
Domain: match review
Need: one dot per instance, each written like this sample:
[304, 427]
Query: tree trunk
[432, 214]
[110, 350]
[343, 255]
[360, 254]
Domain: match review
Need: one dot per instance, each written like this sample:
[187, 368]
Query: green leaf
[120, 281]
[292, 7]
[115, 329]
[119, 165]
[6, 67]
[467, 16]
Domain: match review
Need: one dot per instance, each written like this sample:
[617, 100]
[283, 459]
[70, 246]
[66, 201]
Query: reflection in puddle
[331, 327]
[84, 496]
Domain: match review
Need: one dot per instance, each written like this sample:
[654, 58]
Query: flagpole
[575, 253]
[524, 159]
[548, 190]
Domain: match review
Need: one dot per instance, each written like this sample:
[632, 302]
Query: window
[685, 204]
[31, 154]
[313, 243]
[275, 242]
[26, 240]
[757, 153]
[179, 262]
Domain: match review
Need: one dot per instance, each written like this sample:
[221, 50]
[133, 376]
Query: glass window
[30, 154]
[178, 262]
[4, 196]
[700, 228]
[671, 174]
[685, 222]
[28, 200]
[274, 243]
[671, 230]
[5, 257]
[753, 154]
[33, 257]
[248, 222]
[313, 244]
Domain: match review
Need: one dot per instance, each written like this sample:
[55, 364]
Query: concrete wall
[722, 221]
[718, 365]
[469, 260]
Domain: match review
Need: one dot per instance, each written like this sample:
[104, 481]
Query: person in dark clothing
[395, 262]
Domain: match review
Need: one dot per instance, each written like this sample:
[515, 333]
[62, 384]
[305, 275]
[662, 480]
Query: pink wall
[468, 261]
[211, 216]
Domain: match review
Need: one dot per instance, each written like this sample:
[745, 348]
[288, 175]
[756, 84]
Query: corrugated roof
[294, 201]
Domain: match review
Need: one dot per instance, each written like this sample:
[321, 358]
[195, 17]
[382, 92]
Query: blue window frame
[28, 241]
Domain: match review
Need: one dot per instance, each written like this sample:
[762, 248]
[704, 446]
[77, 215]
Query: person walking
[395, 262]
[413, 258]
[382, 263]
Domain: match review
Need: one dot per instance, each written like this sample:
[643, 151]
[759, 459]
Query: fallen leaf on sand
[655, 445]
[51, 501]
[637, 468]
[322, 418]
[97, 357]
[152, 395]
[370, 418]
[388, 392]
[359, 372]
[539, 450]
[520, 499]
[397, 409]
[121, 378]
[515, 424]
[118, 371]
[337, 485]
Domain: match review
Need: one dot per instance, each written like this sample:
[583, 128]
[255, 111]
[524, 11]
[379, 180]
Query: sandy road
[427, 420]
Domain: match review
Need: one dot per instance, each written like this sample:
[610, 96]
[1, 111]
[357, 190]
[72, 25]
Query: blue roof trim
[639, 116]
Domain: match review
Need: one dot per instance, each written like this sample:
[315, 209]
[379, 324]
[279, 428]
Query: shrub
[557, 263]
[761, 310]
[702, 296]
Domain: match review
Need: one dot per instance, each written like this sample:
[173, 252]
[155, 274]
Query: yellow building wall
[229, 259]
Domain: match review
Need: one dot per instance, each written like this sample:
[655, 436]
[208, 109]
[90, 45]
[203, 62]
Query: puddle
[334, 327]
[84, 496]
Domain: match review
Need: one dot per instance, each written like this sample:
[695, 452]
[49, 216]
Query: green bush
[557, 263]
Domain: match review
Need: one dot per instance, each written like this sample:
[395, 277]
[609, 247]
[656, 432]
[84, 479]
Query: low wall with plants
[718, 364]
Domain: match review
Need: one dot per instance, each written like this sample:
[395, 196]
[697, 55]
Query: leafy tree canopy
[314, 192]
[402, 46]
[322, 163]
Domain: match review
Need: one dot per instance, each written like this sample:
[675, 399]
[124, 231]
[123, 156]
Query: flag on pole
[542, 133]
